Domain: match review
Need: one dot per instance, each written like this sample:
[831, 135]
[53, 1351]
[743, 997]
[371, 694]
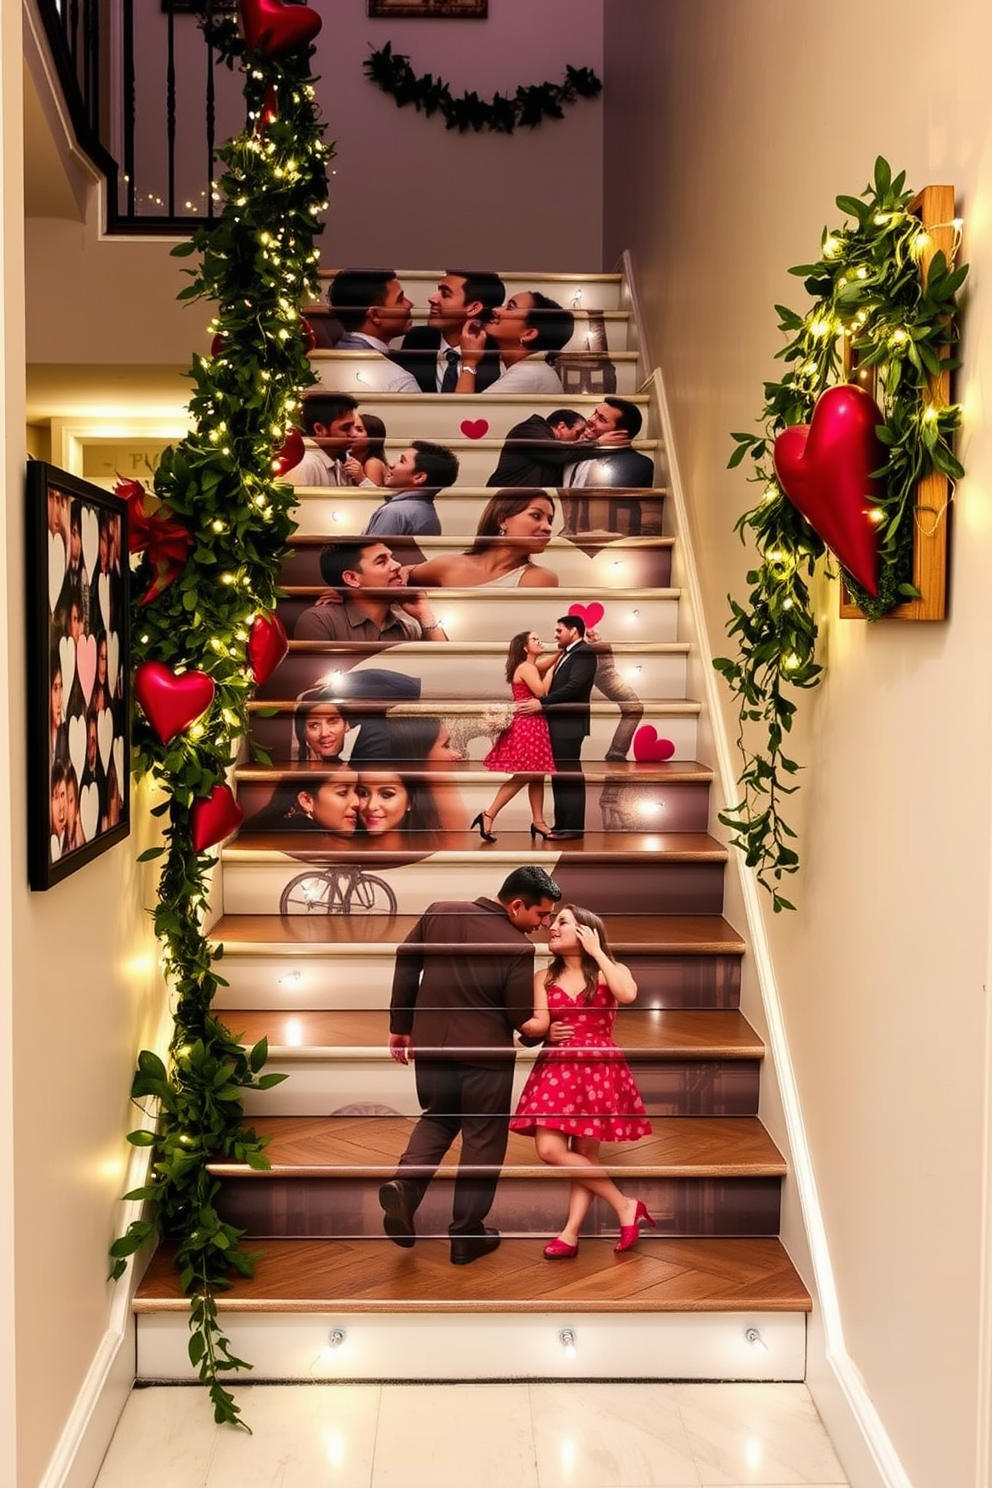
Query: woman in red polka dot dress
[581, 1091]
[524, 749]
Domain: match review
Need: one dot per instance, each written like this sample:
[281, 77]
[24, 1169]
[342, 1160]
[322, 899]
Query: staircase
[711, 1294]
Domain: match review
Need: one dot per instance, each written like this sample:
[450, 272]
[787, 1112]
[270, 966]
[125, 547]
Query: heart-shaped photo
[474, 428]
[590, 613]
[113, 662]
[825, 469]
[56, 568]
[86, 664]
[77, 743]
[91, 538]
[649, 749]
[67, 658]
[119, 760]
[89, 810]
[103, 590]
[105, 736]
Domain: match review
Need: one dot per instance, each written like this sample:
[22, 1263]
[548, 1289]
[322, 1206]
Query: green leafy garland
[259, 264]
[502, 114]
[868, 288]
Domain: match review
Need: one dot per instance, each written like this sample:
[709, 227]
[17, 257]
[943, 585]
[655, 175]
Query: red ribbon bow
[164, 541]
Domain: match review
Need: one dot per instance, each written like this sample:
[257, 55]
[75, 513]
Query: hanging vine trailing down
[258, 264]
[504, 113]
[868, 290]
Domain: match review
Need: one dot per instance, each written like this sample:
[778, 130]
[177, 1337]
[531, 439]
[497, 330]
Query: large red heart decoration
[267, 645]
[291, 453]
[474, 428]
[590, 613]
[214, 818]
[278, 29]
[825, 469]
[169, 700]
[648, 748]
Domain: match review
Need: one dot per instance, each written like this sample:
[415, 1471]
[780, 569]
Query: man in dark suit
[611, 427]
[433, 352]
[538, 450]
[566, 706]
[464, 980]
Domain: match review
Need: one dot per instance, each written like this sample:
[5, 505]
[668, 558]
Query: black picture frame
[452, 10]
[79, 676]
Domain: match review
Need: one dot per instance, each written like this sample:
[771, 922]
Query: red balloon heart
[267, 645]
[590, 613]
[169, 700]
[214, 818]
[474, 428]
[825, 469]
[277, 29]
[291, 453]
[648, 748]
[219, 344]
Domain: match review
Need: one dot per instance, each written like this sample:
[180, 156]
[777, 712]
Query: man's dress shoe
[468, 1248]
[397, 1221]
[555, 836]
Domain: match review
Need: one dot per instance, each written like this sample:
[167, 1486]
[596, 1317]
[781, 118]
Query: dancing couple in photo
[464, 982]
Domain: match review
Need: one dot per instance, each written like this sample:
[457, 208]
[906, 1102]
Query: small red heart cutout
[171, 701]
[267, 645]
[825, 469]
[474, 428]
[277, 29]
[214, 818]
[590, 613]
[649, 749]
[290, 455]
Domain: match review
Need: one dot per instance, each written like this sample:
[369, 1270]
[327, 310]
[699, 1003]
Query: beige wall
[749, 121]
[79, 993]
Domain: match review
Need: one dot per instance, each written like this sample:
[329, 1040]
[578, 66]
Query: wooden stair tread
[277, 935]
[680, 847]
[457, 707]
[670, 1034]
[449, 540]
[368, 1146]
[361, 1276]
[670, 772]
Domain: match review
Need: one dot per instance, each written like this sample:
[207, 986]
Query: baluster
[128, 102]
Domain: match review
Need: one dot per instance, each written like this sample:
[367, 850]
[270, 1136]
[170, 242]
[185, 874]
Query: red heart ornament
[277, 29]
[474, 428]
[825, 470]
[590, 613]
[291, 453]
[214, 818]
[309, 335]
[649, 749]
[267, 645]
[169, 700]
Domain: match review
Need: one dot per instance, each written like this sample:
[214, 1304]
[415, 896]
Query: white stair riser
[615, 324]
[575, 291]
[618, 566]
[409, 416]
[614, 1346]
[451, 675]
[346, 511]
[354, 372]
[255, 885]
[496, 615]
[678, 728]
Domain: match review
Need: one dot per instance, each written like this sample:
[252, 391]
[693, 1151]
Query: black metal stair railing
[146, 98]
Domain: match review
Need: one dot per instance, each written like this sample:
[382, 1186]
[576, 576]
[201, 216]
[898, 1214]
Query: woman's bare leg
[535, 795]
[553, 1148]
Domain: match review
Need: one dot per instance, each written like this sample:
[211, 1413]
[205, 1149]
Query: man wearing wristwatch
[359, 573]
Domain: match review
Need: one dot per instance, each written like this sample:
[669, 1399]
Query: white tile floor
[485, 1436]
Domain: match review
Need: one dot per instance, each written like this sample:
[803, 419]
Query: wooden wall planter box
[935, 206]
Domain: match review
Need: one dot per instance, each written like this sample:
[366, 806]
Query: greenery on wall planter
[258, 264]
[503, 113]
[869, 292]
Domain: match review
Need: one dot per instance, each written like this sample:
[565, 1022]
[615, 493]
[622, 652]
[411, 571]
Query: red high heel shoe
[560, 1250]
[629, 1234]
